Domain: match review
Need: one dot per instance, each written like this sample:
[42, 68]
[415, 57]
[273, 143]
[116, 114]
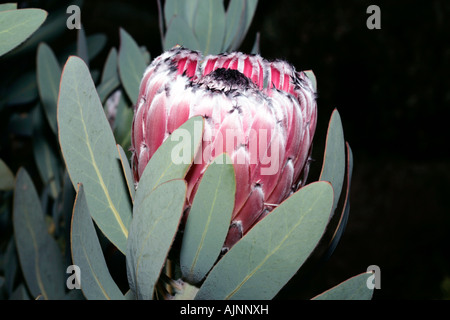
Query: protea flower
[262, 113]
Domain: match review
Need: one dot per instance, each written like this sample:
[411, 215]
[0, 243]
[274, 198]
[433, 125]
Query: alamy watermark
[262, 147]
[374, 20]
[374, 281]
[74, 20]
[74, 279]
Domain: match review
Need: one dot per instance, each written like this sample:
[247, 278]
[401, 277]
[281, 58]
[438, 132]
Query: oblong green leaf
[239, 17]
[122, 122]
[48, 74]
[208, 221]
[95, 44]
[209, 26]
[189, 11]
[131, 65]
[110, 76]
[8, 6]
[90, 152]
[174, 157]
[264, 260]
[354, 288]
[47, 160]
[310, 74]
[95, 280]
[343, 218]
[82, 47]
[17, 25]
[6, 177]
[235, 20]
[126, 171]
[179, 33]
[39, 254]
[152, 230]
[172, 8]
[333, 169]
[53, 27]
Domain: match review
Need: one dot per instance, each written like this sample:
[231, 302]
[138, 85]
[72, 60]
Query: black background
[391, 88]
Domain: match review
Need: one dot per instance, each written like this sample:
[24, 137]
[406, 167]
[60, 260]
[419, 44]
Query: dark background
[391, 88]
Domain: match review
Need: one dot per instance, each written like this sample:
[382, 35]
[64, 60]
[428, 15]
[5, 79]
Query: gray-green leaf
[39, 254]
[95, 279]
[208, 221]
[152, 231]
[48, 77]
[90, 152]
[47, 161]
[17, 25]
[209, 26]
[131, 65]
[333, 169]
[6, 177]
[179, 33]
[354, 288]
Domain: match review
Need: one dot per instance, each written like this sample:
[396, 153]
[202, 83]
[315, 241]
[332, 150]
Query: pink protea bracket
[262, 113]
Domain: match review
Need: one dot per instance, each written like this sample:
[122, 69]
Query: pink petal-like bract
[261, 113]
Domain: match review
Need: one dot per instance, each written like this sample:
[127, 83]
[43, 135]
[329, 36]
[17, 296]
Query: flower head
[261, 113]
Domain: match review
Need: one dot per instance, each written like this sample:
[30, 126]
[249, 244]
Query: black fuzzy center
[230, 77]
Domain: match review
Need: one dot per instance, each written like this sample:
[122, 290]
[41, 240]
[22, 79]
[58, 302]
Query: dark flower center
[230, 77]
[226, 79]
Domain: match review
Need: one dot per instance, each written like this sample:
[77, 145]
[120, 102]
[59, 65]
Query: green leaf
[95, 280]
[343, 218]
[123, 122]
[48, 77]
[333, 169]
[90, 152]
[174, 157]
[17, 25]
[6, 177]
[310, 74]
[39, 255]
[110, 67]
[110, 76]
[354, 288]
[126, 171]
[53, 27]
[131, 65]
[256, 49]
[208, 221]
[46, 158]
[8, 6]
[152, 230]
[264, 260]
[172, 8]
[238, 19]
[235, 21]
[209, 26]
[185, 9]
[179, 33]
[190, 11]
[10, 266]
[82, 47]
[95, 44]
[145, 54]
